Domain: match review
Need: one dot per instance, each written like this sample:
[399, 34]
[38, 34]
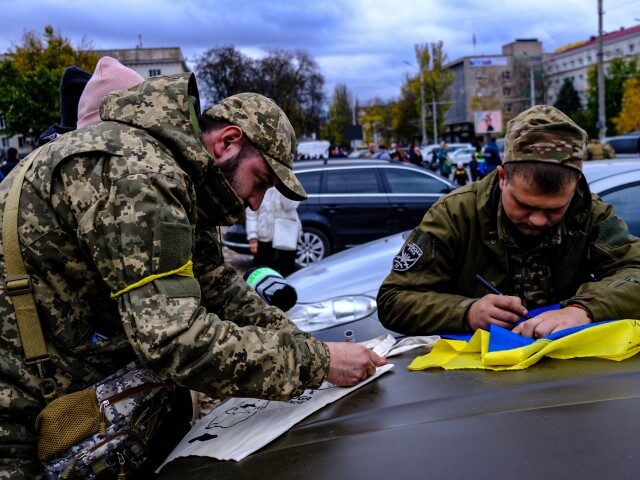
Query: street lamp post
[435, 118]
[423, 114]
[422, 106]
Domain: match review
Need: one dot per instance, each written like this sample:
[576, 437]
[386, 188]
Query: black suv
[354, 201]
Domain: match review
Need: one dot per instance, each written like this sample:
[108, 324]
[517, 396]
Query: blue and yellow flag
[501, 349]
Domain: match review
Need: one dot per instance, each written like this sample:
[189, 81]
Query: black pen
[491, 287]
[487, 284]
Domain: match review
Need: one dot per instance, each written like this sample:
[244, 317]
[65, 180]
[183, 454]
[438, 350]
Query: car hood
[352, 272]
[557, 419]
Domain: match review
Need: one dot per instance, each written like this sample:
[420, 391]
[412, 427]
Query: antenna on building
[473, 40]
[139, 42]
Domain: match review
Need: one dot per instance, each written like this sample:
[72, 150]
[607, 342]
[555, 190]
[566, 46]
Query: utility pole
[532, 85]
[435, 118]
[422, 106]
[602, 122]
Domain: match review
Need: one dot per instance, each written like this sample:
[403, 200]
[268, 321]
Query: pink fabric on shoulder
[110, 75]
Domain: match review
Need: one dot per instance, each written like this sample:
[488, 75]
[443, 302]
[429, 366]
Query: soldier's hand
[501, 310]
[552, 321]
[351, 363]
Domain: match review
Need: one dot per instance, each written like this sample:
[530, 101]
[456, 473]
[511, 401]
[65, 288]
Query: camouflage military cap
[269, 129]
[545, 134]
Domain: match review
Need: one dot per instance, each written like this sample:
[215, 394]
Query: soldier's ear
[224, 143]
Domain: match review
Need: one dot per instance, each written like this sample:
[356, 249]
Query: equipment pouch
[102, 430]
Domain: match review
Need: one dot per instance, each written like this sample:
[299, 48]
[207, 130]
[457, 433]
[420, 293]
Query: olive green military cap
[269, 129]
[545, 134]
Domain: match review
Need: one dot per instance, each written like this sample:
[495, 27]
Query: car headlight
[311, 317]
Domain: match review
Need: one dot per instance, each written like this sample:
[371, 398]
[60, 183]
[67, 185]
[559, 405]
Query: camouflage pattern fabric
[106, 206]
[590, 259]
[544, 134]
[269, 129]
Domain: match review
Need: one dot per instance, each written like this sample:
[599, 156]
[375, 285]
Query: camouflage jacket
[109, 205]
[588, 259]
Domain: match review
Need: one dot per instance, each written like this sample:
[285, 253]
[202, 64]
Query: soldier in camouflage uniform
[597, 150]
[118, 225]
[532, 228]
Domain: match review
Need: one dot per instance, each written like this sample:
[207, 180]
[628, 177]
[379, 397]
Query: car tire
[312, 247]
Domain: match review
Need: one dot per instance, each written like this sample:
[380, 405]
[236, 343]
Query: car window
[357, 180]
[410, 181]
[310, 181]
[623, 145]
[625, 199]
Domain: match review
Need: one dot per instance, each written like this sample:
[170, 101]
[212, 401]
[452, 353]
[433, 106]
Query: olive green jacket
[590, 259]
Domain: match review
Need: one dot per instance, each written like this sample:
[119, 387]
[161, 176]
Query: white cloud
[362, 43]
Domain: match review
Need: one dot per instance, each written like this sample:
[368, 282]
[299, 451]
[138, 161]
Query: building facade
[504, 83]
[574, 61]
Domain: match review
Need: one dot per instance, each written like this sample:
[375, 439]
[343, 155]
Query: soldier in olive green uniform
[118, 225]
[532, 228]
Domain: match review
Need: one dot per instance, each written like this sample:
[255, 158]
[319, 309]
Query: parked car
[569, 419]
[342, 288]
[354, 201]
[462, 155]
[624, 145]
[558, 419]
[451, 147]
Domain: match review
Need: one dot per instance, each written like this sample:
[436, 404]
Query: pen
[492, 288]
[487, 284]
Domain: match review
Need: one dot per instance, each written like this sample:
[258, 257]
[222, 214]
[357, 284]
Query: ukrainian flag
[501, 349]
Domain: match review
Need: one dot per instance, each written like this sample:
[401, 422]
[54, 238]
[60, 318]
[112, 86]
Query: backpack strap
[18, 285]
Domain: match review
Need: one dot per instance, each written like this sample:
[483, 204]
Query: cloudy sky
[362, 43]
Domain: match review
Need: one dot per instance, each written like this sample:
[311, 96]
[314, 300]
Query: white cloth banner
[240, 426]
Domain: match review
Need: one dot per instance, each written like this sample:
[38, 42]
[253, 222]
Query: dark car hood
[569, 419]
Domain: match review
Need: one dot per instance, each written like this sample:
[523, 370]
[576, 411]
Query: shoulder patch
[407, 257]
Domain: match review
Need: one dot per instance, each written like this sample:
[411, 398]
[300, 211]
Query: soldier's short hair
[548, 178]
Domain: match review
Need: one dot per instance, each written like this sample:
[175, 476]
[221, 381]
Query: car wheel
[313, 246]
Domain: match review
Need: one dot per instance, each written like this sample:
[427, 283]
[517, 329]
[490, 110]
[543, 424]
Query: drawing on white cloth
[238, 413]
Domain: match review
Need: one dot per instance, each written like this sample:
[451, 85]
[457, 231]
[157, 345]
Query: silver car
[342, 289]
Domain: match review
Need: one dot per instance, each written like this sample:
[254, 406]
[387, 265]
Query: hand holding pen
[495, 308]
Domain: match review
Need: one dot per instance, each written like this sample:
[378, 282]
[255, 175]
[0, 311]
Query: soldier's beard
[230, 171]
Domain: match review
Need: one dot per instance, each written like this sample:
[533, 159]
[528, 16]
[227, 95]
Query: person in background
[491, 155]
[72, 85]
[11, 161]
[260, 232]
[476, 159]
[109, 76]
[415, 155]
[460, 175]
[444, 162]
[335, 151]
[597, 150]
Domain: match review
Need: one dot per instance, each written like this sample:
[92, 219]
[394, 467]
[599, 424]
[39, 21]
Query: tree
[617, 73]
[292, 79]
[224, 71]
[431, 59]
[30, 80]
[339, 114]
[568, 98]
[629, 118]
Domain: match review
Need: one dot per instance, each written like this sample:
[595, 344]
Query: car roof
[599, 169]
[339, 162]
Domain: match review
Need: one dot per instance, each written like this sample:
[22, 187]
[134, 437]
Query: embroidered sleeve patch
[407, 257]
